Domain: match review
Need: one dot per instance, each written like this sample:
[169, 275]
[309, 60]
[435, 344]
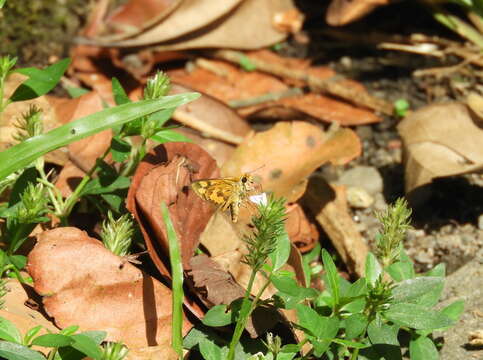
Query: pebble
[359, 198]
[480, 222]
[366, 177]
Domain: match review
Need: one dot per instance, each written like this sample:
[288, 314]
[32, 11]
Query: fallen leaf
[160, 352]
[23, 316]
[184, 20]
[249, 27]
[284, 156]
[329, 205]
[289, 21]
[134, 16]
[342, 12]
[104, 293]
[302, 233]
[165, 175]
[440, 140]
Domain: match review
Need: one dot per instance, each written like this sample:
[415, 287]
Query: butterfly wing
[218, 191]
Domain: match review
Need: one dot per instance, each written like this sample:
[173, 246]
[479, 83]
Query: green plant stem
[72, 199]
[355, 354]
[242, 317]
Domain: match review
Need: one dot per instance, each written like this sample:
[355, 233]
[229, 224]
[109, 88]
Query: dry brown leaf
[184, 20]
[329, 205]
[249, 27]
[134, 16]
[284, 156]
[24, 317]
[165, 175]
[84, 284]
[440, 140]
[342, 12]
[160, 352]
[301, 232]
[211, 117]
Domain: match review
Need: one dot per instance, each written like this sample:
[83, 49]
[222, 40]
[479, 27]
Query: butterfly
[228, 193]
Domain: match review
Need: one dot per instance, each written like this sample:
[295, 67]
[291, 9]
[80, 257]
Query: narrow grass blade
[177, 285]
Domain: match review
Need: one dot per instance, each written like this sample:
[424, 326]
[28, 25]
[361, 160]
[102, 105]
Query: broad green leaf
[321, 327]
[21, 155]
[120, 96]
[217, 316]
[289, 286]
[165, 136]
[75, 92]
[31, 333]
[211, 351]
[411, 290]
[332, 275]
[355, 306]
[70, 330]
[52, 340]
[417, 317]
[423, 348]
[115, 201]
[9, 332]
[120, 149]
[86, 345]
[372, 269]
[96, 186]
[357, 288]
[400, 271]
[19, 261]
[431, 298]
[282, 251]
[454, 310]
[12, 351]
[381, 333]
[355, 325]
[40, 82]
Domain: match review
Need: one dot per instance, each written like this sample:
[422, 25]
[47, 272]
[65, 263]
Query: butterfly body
[226, 193]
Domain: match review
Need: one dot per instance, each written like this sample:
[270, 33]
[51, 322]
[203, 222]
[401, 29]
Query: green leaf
[401, 107]
[321, 327]
[120, 149]
[431, 298]
[332, 276]
[165, 136]
[75, 92]
[417, 317]
[21, 155]
[177, 282]
[86, 345]
[120, 96]
[53, 340]
[282, 251]
[350, 344]
[288, 285]
[115, 201]
[217, 316]
[357, 288]
[70, 330]
[211, 351]
[28, 176]
[454, 310]
[97, 336]
[245, 63]
[381, 333]
[40, 82]
[400, 271]
[30, 334]
[96, 186]
[412, 289]
[355, 325]
[372, 269]
[2, 2]
[19, 261]
[9, 332]
[423, 348]
[12, 351]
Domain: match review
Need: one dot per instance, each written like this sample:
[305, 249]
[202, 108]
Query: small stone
[366, 177]
[359, 198]
[480, 222]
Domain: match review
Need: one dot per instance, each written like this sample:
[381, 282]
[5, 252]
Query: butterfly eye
[244, 179]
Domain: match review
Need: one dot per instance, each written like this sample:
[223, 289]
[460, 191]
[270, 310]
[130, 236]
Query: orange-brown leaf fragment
[85, 284]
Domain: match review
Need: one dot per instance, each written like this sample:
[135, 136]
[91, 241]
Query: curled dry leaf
[440, 140]
[184, 20]
[165, 175]
[342, 12]
[329, 205]
[134, 16]
[248, 27]
[84, 284]
[301, 232]
[284, 156]
[211, 117]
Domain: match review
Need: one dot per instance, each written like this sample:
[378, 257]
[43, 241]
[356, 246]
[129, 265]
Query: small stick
[211, 66]
[272, 96]
[328, 86]
[206, 129]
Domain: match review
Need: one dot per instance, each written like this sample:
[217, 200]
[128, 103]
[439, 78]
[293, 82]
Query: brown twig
[329, 86]
[272, 96]
[446, 71]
